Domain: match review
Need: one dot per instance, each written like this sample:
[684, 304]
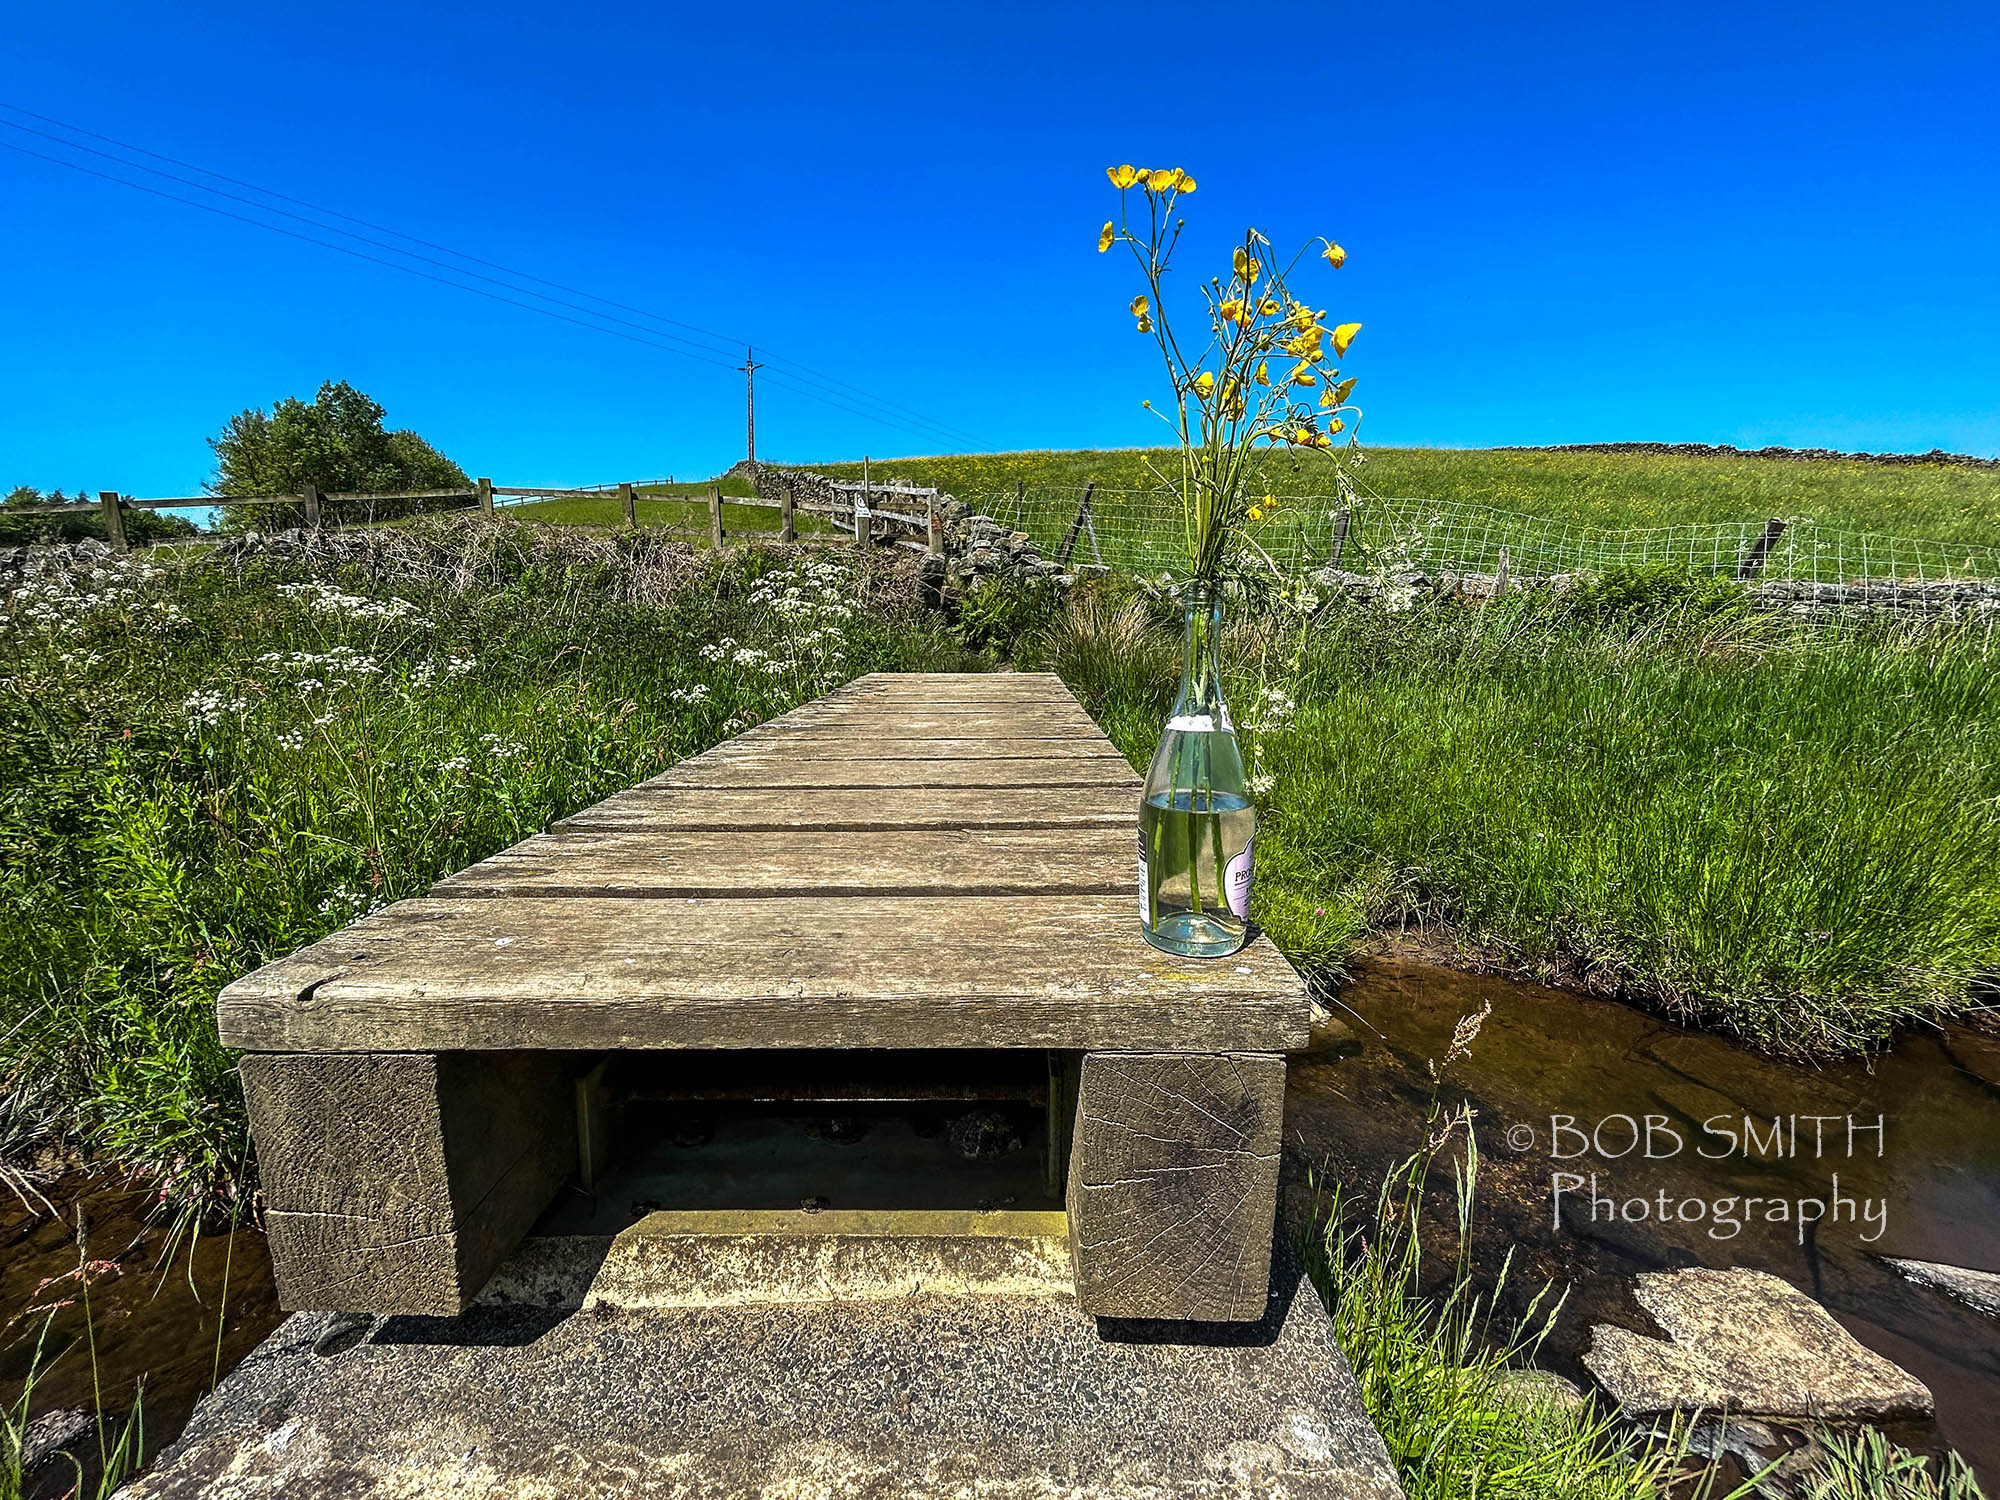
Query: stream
[1932, 1192]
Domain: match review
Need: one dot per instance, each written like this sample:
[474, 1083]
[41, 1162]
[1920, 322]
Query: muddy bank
[1912, 1136]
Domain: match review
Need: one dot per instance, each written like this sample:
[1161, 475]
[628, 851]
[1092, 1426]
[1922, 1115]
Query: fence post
[786, 504]
[933, 527]
[1341, 520]
[1502, 575]
[715, 516]
[1076, 526]
[1752, 562]
[629, 504]
[862, 506]
[1020, 499]
[114, 521]
[311, 498]
[486, 496]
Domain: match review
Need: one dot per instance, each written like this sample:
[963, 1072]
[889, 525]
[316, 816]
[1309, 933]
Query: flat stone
[1746, 1342]
[1977, 1289]
[900, 1397]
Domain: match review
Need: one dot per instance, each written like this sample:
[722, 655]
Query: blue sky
[1740, 224]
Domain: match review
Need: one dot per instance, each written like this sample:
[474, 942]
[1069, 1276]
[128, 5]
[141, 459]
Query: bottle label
[1145, 888]
[1193, 724]
[1236, 879]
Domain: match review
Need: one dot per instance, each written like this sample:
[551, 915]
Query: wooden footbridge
[917, 887]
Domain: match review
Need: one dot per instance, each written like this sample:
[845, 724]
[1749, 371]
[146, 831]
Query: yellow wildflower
[1343, 336]
[1333, 255]
[1204, 384]
[1187, 183]
[1305, 435]
[1122, 177]
[1342, 391]
[1336, 425]
[1302, 375]
[1145, 323]
[1105, 236]
[1263, 376]
[1140, 306]
[1323, 440]
[1268, 307]
[1232, 310]
[1254, 513]
[1302, 317]
[1245, 265]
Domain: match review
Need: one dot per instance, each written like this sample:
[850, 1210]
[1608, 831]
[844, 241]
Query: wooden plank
[921, 774]
[985, 747]
[768, 809]
[951, 724]
[396, 1183]
[1173, 1184]
[672, 863]
[441, 975]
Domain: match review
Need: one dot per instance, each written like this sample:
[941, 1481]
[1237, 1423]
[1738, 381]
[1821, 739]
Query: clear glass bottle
[1197, 823]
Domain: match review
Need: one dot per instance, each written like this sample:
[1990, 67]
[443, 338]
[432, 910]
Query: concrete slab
[531, 1394]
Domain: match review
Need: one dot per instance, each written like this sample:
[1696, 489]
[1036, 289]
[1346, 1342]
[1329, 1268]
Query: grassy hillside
[1940, 502]
[664, 505]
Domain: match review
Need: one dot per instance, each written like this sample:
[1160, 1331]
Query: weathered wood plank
[671, 862]
[1173, 1184]
[893, 747]
[859, 771]
[396, 1183]
[943, 724]
[765, 809]
[518, 972]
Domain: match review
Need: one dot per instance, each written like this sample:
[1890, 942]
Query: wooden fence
[902, 514]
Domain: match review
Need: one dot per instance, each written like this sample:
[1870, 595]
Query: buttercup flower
[1245, 265]
[1343, 336]
[1122, 177]
[1204, 384]
[1333, 255]
[1105, 236]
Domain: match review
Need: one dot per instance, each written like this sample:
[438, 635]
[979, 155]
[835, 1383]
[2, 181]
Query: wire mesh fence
[1797, 562]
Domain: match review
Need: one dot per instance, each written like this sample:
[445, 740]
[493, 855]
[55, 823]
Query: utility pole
[750, 367]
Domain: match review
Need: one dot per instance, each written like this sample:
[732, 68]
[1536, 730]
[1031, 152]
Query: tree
[337, 442]
[140, 525]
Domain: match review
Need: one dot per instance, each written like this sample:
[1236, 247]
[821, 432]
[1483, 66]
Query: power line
[790, 376]
[804, 370]
[718, 363]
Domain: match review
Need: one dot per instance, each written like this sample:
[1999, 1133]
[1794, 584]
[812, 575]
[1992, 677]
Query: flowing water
[84, 1280]
[1925, 1185]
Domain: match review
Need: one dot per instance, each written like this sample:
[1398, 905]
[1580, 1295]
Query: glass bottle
[1197, 824]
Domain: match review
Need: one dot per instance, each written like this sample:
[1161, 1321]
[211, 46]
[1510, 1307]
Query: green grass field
[1936, 502]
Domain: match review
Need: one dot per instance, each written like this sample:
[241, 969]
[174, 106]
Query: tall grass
[1789, 834]
[208, 763]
